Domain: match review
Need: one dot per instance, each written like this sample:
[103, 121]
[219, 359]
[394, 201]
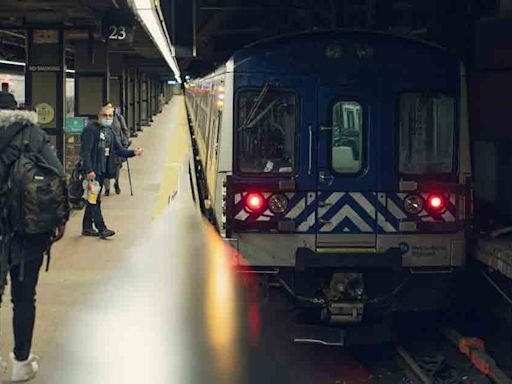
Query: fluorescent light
[12, 63]
[143, 4]
[148, 16]
[20, 64]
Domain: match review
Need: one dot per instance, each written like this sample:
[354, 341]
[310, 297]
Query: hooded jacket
[23, 248]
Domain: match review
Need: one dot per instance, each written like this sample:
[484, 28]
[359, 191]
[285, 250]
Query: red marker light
[254, 202]
[436, 203]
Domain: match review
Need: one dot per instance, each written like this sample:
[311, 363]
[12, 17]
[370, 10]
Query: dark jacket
[24, 248]
[91, 156]
[7, 100]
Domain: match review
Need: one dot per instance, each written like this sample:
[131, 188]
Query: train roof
[326, 52]
[334, 34]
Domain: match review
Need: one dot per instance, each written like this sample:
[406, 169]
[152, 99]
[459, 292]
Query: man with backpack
[98, 150]
[34, 210]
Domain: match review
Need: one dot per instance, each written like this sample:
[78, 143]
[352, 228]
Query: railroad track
[466, 363]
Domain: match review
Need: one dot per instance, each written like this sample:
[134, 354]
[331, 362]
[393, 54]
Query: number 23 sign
[117, 32]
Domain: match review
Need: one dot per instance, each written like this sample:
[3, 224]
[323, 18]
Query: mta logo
[404, 247]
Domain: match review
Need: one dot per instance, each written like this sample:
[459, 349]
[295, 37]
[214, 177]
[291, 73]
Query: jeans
[23, 295]
[93, 215]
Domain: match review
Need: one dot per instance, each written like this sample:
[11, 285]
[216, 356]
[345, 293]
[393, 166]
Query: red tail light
[436, 202]
[254, 202]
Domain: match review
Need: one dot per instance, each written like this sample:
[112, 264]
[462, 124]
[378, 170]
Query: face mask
[106, 122]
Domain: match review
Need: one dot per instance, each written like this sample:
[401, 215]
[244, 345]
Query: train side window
[347, 137]
[426, 133]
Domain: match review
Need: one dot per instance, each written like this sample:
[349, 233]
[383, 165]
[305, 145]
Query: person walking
[120, 130]
[7, 99]
[98, 149]
[25, 239]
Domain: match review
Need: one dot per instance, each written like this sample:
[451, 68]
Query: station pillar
[151, 111]
[137, 93]
[144, 111]
[154, 109]
[130, 101]
[91, 77]
[45, 82]
[117, 81]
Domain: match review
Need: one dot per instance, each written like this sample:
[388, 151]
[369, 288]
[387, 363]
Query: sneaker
[24, 370]
[90, 232]
[107, 192]
[118, 189]
[106, 233]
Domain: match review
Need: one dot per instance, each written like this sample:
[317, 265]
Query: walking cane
[129, 176]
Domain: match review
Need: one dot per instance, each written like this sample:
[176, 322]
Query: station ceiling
[222, 26]
[226, 25]
[78, 17]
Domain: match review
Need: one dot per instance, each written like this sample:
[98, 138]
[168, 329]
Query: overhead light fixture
[18, 63]
[154, 25]
[21, 64]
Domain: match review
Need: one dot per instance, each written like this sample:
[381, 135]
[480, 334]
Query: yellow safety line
[346, 250]
[178, 148]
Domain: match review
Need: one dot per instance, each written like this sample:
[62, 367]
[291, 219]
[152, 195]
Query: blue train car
[340, 162]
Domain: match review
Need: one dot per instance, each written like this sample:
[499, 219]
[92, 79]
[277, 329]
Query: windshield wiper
[256, 105]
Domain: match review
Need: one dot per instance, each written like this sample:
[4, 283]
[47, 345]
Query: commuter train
[339, 162]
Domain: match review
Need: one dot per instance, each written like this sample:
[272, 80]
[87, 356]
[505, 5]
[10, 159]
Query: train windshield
[426, 124]
[267, 132]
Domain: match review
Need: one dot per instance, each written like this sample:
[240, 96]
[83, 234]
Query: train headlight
[413, 204]
[278, 203]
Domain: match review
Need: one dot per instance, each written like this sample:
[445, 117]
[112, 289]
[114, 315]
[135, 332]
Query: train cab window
[267, 131]
[426, 133]
[347, 137]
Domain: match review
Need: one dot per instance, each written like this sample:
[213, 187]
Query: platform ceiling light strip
[20, 64]
[146, 11]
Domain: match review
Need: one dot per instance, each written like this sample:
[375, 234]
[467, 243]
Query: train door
[346, 167]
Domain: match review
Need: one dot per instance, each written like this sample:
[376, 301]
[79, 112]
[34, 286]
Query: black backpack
[76, 189]
[34, 198]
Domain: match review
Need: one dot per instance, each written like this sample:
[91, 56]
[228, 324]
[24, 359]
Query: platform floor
[80, 265]
[496, 254]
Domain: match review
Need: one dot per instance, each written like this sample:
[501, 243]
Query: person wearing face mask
[98, 150]
[122, 134]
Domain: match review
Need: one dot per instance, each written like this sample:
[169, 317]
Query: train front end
[350, 173]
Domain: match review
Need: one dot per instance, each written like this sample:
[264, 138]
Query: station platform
[496, 254]
[82, 266]
[160, 302]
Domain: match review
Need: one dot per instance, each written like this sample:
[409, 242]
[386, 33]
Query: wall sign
[45, 68]
[46, 36]
[117, 32]
[75, 124]
[45, 113]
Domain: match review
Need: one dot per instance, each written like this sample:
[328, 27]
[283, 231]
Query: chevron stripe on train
[346, 212]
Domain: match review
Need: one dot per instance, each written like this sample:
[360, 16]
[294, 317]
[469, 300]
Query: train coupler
[343, 313]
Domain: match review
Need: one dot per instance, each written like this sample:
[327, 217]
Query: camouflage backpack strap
[11, 134]
[5, 228]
